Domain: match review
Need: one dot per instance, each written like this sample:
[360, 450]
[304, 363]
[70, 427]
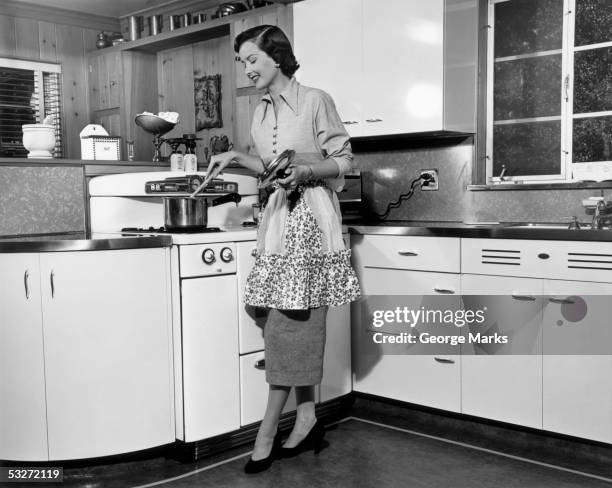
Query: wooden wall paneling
[210, 58]
[93, 84]
[140, 94]
[70, 50]
[176, 88]
[115, 81]
[285, 20]
[242, 124]
[243, 24]
[103, 88]
[27, 38]
[7, 35]
[47, 40]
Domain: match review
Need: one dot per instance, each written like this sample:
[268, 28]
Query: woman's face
[258, 66]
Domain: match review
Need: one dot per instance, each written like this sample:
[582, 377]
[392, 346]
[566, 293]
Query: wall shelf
[211, 29]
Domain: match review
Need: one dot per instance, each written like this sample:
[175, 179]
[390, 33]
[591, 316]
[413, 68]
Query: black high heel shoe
[262, 464]
[313, 440]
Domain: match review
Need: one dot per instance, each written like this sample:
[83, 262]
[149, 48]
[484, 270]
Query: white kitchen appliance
[207, 283]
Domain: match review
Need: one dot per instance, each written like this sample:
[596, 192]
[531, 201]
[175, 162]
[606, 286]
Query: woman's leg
[277, 397]
[305, 417]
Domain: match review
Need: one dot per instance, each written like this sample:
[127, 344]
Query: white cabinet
[577, 385]
[410, 375]
[106, 335]
[251, 320]
[337, 376]
[504, 382]
[384, 62]
[23, 427]
[211, 389]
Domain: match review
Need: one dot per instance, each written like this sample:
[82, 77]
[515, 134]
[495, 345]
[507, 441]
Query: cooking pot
[191, 213]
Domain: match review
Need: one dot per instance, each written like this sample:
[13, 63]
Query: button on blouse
[307, 123]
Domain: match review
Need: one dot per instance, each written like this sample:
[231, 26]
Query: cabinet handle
[349, 122]
[525, 298]
[566, 86]
[26, 275]
[260, 364]
[374, 120]
[561, 300]
[407, 253]
[444, 360]
[446, 291]
[51, 279]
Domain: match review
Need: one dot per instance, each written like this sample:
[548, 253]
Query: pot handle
[230, 197]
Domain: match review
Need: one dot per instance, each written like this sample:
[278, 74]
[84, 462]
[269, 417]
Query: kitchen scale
[190, 183]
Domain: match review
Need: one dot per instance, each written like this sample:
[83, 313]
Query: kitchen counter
[80, 241]
[504, 230]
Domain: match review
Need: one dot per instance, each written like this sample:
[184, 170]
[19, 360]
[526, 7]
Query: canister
[135, 27]
[155, 24]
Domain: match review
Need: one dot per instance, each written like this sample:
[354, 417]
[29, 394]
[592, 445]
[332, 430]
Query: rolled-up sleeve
[332, 136]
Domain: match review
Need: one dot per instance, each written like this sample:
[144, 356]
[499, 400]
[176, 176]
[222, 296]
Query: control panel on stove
[207, 259]
[188, 184]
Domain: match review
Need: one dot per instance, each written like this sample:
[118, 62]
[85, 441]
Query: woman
[301, 264]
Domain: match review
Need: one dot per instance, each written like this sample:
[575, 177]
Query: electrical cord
[404, 196]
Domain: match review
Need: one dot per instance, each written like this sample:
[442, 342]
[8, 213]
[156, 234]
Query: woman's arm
[218, 162]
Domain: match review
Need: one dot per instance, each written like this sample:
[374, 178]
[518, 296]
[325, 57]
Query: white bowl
[39, 140]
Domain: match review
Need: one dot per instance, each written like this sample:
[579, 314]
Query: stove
[208, 269]
[162, 230]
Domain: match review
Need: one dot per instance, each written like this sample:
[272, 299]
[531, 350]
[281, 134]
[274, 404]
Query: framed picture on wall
[207, 97]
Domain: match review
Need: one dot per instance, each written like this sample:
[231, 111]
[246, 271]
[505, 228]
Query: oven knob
[227, 255]
[208, 256]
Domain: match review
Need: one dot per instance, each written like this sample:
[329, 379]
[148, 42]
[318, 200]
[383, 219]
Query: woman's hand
[296, 174]
[218, 162]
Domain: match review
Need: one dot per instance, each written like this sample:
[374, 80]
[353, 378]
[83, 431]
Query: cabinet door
[327, 43]
[108, 356]
[504, 382]
[431, 380]
[577, 386]
[337, 379]
[251, 320]
[211, 389]
[402, 66]
[23, 428]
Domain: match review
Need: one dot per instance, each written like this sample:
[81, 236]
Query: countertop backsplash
[41, 200]
[387, 174]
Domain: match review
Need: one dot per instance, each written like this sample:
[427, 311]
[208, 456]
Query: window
[29, 92]
[549, 90]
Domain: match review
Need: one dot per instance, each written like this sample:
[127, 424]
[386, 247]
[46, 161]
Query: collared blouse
[307, 123]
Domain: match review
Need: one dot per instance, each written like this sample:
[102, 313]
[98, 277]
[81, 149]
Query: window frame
[38, 68]
[567, 116]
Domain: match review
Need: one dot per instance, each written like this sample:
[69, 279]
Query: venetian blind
[29, 92]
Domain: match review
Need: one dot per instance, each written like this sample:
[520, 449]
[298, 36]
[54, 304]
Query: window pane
[593, 80]
[592, 139]
[527, 26]
[527, 88]
[527, 149]
[16, 109]
[593, 22]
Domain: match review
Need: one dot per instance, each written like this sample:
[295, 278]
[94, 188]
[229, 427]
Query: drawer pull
[524, 298]
[444, 360]
[26, 275]
[446, 291]
[561, 300]
[407, 253]
[52, 280]
[260, 364]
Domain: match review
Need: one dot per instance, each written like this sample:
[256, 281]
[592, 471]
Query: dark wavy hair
[273, 41]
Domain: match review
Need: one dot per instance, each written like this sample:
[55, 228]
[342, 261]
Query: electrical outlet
[432, 183]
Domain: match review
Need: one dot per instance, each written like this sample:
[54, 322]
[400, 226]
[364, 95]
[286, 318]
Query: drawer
[207, 259]
[408, 252]
[562, 260]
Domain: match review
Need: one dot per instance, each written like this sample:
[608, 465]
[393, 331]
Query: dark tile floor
[360, 454]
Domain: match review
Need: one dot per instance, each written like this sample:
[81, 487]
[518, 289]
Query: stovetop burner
[163, 230]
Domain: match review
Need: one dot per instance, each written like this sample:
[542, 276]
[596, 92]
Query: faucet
[598, 214]
[503, 172]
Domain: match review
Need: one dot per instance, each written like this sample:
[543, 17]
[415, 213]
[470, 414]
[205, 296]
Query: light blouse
[307, 122]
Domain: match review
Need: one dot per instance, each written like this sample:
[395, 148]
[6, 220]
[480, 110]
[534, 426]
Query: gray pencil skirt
[294, 342]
